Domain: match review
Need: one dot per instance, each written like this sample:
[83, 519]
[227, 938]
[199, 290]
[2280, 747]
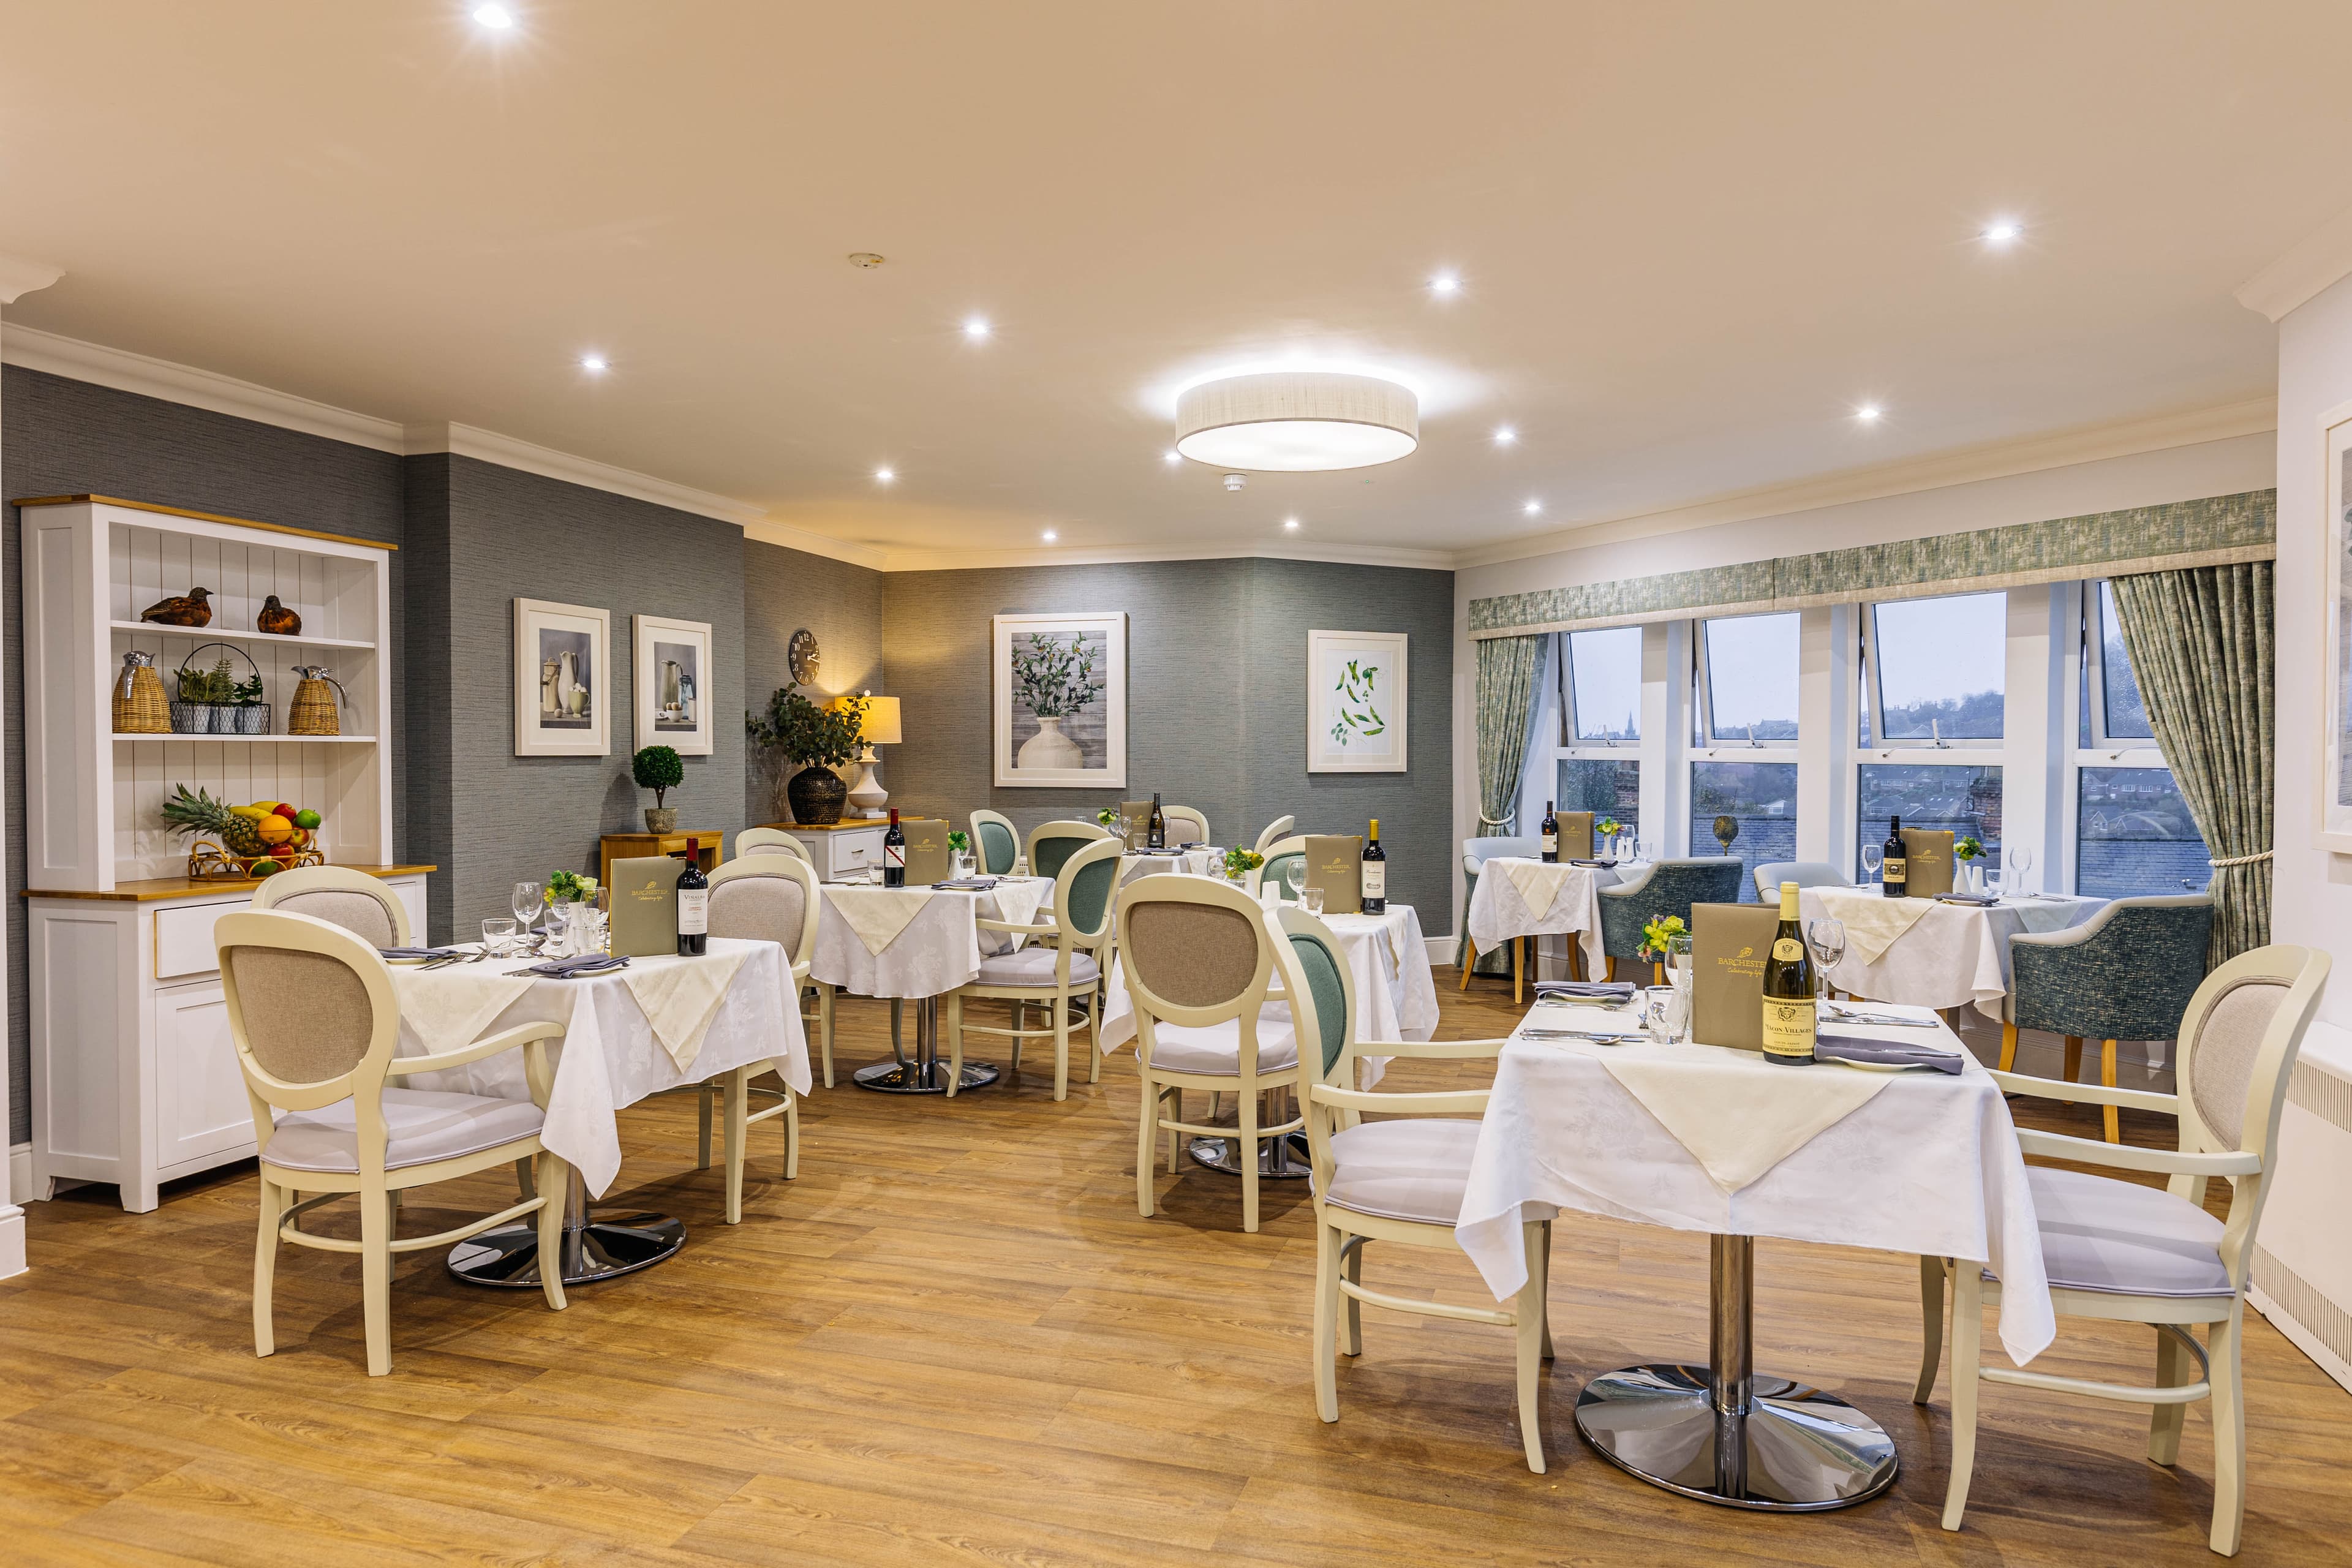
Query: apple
[284, 810]
[306, 819]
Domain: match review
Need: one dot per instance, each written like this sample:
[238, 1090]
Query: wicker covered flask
[140, 706]
[313, 711]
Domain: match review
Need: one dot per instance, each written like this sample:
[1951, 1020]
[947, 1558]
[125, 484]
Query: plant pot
[816, 794]
[192, 718]
[1049, 750]
[661, 820]
[241, 718]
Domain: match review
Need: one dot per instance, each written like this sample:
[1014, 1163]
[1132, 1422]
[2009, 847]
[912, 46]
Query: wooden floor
[953, 1341]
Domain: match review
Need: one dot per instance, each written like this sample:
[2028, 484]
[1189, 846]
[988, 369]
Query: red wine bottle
[893, 853]
[693, 904]
[1376, 873]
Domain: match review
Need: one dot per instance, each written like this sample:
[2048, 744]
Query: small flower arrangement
[1608, 827]
[1240, 863]
[570, 888]
[959, 840]
[1108, 817]
[1658, 933]
[1967, 849]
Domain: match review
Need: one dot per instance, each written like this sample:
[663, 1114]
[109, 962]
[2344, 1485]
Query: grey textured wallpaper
[783, 592]
[71, 438]
[1216, 697]
[484, 536]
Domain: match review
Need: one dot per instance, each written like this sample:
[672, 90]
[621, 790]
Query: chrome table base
[1722, 1434]
[925, 1074]
[1284, 1158]
[592, 1249]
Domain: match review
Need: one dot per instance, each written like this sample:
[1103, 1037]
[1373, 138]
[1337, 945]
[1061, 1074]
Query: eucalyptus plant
[804, 733]
[1057, 676]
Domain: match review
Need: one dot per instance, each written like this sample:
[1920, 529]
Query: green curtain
[1508, 668]
[2203, 646]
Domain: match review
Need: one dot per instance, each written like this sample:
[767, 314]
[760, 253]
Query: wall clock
[800, 655]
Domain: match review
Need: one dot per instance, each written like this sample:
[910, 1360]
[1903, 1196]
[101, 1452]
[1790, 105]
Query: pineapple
[200, 814]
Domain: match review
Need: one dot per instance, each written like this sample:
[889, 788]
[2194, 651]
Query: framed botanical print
[1355, 702]
[2335, 619]
[562, 679]
[670, 665]
[1059, 708]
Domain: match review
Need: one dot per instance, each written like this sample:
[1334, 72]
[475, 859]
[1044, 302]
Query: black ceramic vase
[816, 794]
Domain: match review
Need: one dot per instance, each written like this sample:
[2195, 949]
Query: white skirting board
[20, 1174]
[1441, 948]
[2302, 1258]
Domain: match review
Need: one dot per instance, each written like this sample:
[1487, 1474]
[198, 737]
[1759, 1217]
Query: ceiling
[1691, 239]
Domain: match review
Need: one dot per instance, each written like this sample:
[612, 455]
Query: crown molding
[873, 557]
[2322, 256]
[1971, 464]
[21, 275]
[1334, 554]
[507, 452]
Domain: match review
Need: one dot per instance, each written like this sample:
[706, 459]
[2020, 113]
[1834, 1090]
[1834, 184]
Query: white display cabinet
[134, 1077]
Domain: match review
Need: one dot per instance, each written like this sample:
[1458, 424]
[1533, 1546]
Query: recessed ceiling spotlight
[497, 18]
[1290, 522]
[884, 475]
[975, 328]
[594, 364]
[1049, 536]
[1504, 434]
[2002, 231]
[1532, 506]
[1869, 412]
[1445, 285]
[1171, 456]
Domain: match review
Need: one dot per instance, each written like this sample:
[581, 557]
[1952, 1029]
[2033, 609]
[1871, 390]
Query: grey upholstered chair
[1661, 888]
[771, 897]
[995, 843]
[1804, 873]
[1475, 853]
[2126, 973]
[341, 897]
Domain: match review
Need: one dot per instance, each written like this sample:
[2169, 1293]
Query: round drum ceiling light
[1299, 421]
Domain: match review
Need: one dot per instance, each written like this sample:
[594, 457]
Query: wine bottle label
[1788, 950]
[693, 911]
[1376, 879]
[1788, 1027]
[1551, 843]
[895, 853]
[1895, 870]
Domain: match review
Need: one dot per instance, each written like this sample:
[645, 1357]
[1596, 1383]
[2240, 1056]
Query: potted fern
[817, 739]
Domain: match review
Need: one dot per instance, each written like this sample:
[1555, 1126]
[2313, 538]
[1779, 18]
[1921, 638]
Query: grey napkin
[420, 952]
[578, 967]
[1894, 1053]
[1587, 990]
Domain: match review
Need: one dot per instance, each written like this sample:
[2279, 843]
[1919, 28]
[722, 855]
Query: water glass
[528, 901]
[499, 934]
[1311, 899]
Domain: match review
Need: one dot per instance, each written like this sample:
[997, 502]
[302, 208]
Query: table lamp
[879, 727]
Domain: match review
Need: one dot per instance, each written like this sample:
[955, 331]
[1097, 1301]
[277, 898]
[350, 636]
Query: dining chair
[995, 843]
[761, 840]
[1051, 843]
[1198, 959]
[1661, 888]
[2126, 973]
[1274, 832]
[2122, 1251]
[1278, 857]
[1475, 853]
[340, 896]
[315, 1021]
[1184, 824]
[1400, 1179]
[1804, 873]
[1060, 960]
[763, 898]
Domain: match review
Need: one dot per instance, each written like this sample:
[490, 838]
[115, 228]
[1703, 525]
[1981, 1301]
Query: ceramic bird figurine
[277, 619]
[189, 609]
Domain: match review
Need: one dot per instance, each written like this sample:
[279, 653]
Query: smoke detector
[1236, 481]
[864, 258]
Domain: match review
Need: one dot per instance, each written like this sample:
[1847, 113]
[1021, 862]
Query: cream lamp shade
[880, 727]
[1297, 421]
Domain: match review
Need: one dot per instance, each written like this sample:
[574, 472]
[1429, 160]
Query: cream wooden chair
[767, 840]
[2125, 1252]
[315, 1021]
[1051, 843]
[1275, 831]
[1060, 962]
[1399, 1180]
[1198, 958]
[995, 843]
[1185, 825]
[341, 897]
[1277, 854]
[762, 897]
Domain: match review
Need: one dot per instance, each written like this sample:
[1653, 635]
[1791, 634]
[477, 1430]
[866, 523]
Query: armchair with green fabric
[1663, 889]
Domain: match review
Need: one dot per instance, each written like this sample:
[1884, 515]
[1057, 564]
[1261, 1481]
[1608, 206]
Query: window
[1605, 788]
[2134, 835]
[1750, 690]
[1937, 795]
[1755, 804]
[1937, 667]
[1602, 685]
[2126, 716]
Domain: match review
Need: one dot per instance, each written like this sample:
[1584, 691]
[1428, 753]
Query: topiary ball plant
[658, 769]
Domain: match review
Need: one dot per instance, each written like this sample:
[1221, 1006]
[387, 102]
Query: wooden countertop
[156, 887]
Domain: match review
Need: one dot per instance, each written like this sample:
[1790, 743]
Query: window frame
[2085, 683]
[1571, 741]
[1707, 745]
[1872, 695]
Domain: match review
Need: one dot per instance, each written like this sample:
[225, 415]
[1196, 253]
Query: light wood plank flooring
[953, 1341]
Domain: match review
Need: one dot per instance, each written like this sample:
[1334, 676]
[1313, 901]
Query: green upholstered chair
[1059, 961]
[1051, 843]
[1661, 888]
[995, 843]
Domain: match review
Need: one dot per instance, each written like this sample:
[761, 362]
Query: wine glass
[1871, 856]
[528, 901]
[1293, 876]
[1827, 937]
[2016, 859]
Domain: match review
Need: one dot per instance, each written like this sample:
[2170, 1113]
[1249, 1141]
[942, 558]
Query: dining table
[1928, 953]
[1520, 896]
[656, 1024]
[1714, 1140]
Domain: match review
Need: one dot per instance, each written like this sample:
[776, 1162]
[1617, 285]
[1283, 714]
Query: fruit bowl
[243, 843]
[208, 862]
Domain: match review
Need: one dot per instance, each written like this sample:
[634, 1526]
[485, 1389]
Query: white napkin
[679, 996]
[1539, 882]
[449, 1008]
[1737, 1113]
[1017, 902]
[1871, 922]
[877, 914]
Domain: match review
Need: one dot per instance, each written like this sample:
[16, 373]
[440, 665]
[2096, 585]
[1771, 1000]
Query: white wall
[2149, 478]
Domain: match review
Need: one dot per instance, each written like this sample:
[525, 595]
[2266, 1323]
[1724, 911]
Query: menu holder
[927, 856]
[644, 920]
[1575, 834]
[1728, 944]
[1135, 819]
[1335, 863]
[1927, 854]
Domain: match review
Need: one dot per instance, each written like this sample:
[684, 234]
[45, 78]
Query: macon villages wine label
[1787, 1024]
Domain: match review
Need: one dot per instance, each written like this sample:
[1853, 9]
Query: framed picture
[673, 675]
[1355, 702]
[562, 679]
[2335, 619]
[1060, 701]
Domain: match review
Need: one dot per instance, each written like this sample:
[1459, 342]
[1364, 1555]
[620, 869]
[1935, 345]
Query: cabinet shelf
[262, 740]
[216, 633]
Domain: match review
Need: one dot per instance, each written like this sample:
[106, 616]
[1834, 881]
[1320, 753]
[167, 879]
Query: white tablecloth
[1955, 954]
[1498, 913]
[938, 951]
[609, 1057]
[1929, 1167]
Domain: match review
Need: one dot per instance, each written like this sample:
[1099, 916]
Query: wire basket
[225, 715]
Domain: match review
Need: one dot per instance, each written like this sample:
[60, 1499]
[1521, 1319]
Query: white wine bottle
[1789, 1016]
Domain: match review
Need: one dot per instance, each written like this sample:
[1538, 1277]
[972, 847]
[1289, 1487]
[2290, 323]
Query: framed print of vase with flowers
[1059, 718]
